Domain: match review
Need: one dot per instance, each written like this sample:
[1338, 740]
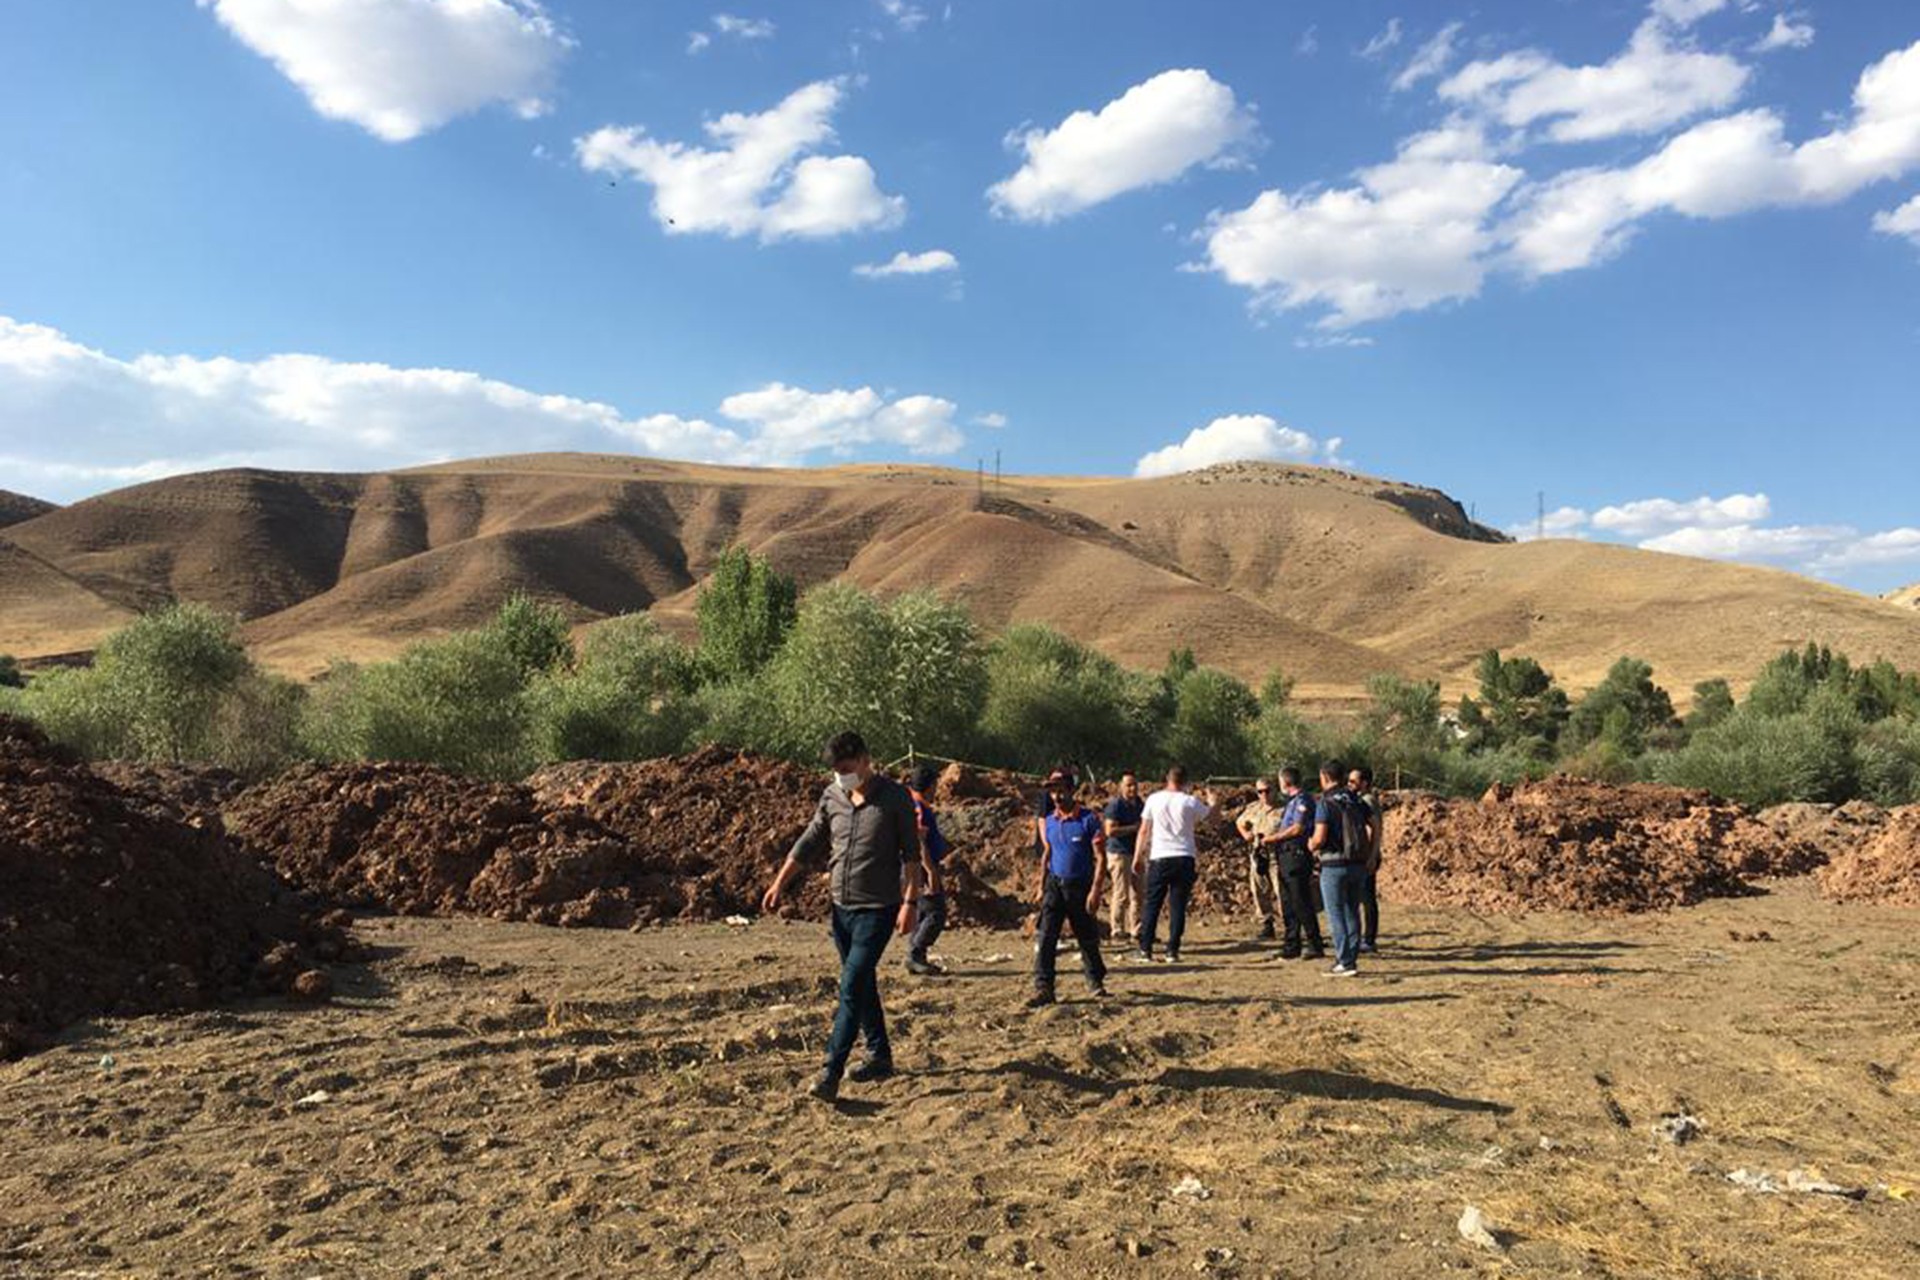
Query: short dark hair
[1177, 775]
[1334, 769]
[1128, 773]
[923, 778]
[845, 746]
[1289, 777]
[1366, 774]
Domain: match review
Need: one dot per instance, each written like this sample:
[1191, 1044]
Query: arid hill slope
[15, 507]
[1908, 597]
[1324, 574]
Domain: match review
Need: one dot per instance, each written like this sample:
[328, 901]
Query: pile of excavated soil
[110, 906]
[720, 823]
[1833, 830]
[1883, 868]
[1571, 844]
[190, 793]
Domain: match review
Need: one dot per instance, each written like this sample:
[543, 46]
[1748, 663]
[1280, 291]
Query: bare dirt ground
[487, 1098]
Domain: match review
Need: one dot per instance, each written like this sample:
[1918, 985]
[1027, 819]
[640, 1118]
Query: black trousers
[1169, 883]
[1369, 908]
[1297, 905]
[1065, 902]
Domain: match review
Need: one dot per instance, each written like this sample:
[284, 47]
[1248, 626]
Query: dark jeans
[860, 935]
[1340, 889]
[1065, 901]
[1169, 881]
[1369, 907]
[929, 920]
[1297, 905]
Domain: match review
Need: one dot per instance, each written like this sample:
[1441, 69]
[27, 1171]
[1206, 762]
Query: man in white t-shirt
[1166, 851]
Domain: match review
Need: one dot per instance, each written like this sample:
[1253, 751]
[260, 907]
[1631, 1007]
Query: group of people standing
[1139, 854]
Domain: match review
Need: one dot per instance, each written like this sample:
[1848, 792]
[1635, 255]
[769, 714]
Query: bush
[629, 697]
[536, 635]
[1212, 718]
[1519, 705]
[1051, 699]
[1712, 703]
[459, 701]
[746, 610]
[10, 677]
[1624, 711]
[1760, 759]
[256, 730]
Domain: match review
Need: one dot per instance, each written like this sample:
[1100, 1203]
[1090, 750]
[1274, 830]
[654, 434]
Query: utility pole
[996, 473]
[980, 477]
[1540, 517]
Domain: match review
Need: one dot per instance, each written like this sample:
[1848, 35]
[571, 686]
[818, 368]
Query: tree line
[777, 672]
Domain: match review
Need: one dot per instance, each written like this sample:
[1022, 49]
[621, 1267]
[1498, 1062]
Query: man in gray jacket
[865, 825]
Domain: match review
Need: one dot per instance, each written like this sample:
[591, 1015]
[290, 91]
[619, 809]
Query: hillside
[16, 507]
[1906, 597]
[1326, 575]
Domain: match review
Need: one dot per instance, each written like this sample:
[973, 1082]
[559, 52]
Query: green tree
[1276, 691]
[10, 677]
[1519, 706]
[1212, 721]
[537, 636]
[1181, 663]
[165, 675]
[746, 610]
[1051, 698]
[1712, 703]
[628, 697]
[1626, 708]
[1402, 721]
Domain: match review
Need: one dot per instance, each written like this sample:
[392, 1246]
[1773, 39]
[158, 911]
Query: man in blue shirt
[1301, 936]
[1343, 838]
[931, 919]
[1073, 870]
[1123, 828]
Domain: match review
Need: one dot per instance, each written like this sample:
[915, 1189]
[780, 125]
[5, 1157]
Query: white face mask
[847, 781]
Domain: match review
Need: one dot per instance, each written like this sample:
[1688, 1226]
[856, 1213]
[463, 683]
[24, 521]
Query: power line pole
[996, 473]
[1540, 517]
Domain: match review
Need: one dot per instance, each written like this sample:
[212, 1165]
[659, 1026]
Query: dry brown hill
[15, 507]
[1327, 575]
[1908, 597]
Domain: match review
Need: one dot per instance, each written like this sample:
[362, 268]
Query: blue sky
[1660, 261]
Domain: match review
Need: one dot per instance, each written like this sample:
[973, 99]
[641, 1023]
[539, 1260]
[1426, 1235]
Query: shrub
[1760, 759]
[746, 610]
[1212, 718]
[537, 636]
[629, 697]
[1050, 698]
[10, 677]
[1519, 705]
[1712, 703]
[1625, 709]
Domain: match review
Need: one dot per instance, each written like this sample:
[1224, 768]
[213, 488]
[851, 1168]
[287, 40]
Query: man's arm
[1142, 845]
[807, 846]
[906, 830]
[1099, 871]
[1318, 840]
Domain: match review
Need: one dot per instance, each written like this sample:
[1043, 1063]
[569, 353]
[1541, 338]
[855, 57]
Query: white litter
[318, 1098]
[738, 921]
[1191, 1188]
[1475, 1229]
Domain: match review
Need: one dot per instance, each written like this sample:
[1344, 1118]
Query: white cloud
[1684, 13]
[795, 420]
[1732, 528]
[905, 16]
[910, 264]
[992, 421]
[94, 420]
[1650, 86]
[401, 68]
[1239, 437]
[1649, 517]
[1151, 134]
[1904, 221]
[759, 179]
[728, 24]
[698, 40]
[1430, 59]
[1724, 167]
[1413, 233]
[1309, 42]
[1786, 33]
[1387, 39]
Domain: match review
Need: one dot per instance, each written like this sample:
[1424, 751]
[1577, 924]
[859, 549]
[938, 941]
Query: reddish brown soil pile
[1834, 831]
[112, 907]
[1570, 844]
[1884, 868]
[719, 823]
[183, 791]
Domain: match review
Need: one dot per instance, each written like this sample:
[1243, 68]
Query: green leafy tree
[1626, 708]
[458, 701]
[746, 610]
[1050, 698]
[1212, 721]
[165, 675]
[1276, 691]
[1519, 706]
[1181, 663]
[1712, 703]
[537, 636]
[628, 697]
[1402, 722]
[10, 677]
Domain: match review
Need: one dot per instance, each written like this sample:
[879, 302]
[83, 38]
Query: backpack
[1354, 816]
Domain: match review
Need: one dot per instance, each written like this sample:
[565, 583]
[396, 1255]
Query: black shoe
[1266, 932]
[1314, 953]
[1286, 955]
[825, 1087]
[1173, 957]
[1098, 991]
[1039, 999]
[924, 968]
[872, 1071]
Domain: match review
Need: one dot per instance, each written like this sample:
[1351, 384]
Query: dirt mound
[182, 791]
[1833, 830]
[957, 783]
[1571, 844]
[719, 822]
[113, 907]
[1883, 868]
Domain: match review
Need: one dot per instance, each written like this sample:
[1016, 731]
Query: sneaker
[1284, 955]
[872, 1071]
[1173, 957]
[1266, 933]
[1098, 991]
[825, 1087]
[1039, 1000]
[1342, 971]
[1316, 953]
[1367, 948]
[924, 968]
[1140, 957]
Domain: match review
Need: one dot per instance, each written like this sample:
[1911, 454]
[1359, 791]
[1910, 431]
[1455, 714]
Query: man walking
[1258, 824]
[1360, 782]
[865, 824]
[1123, 829]
[1072, 872]
[1342, 836]
[1167, 854]
[1301, 919]
[930, 920]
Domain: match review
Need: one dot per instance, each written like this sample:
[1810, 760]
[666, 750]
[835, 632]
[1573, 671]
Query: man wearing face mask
[865, 824]
[1072, 873]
